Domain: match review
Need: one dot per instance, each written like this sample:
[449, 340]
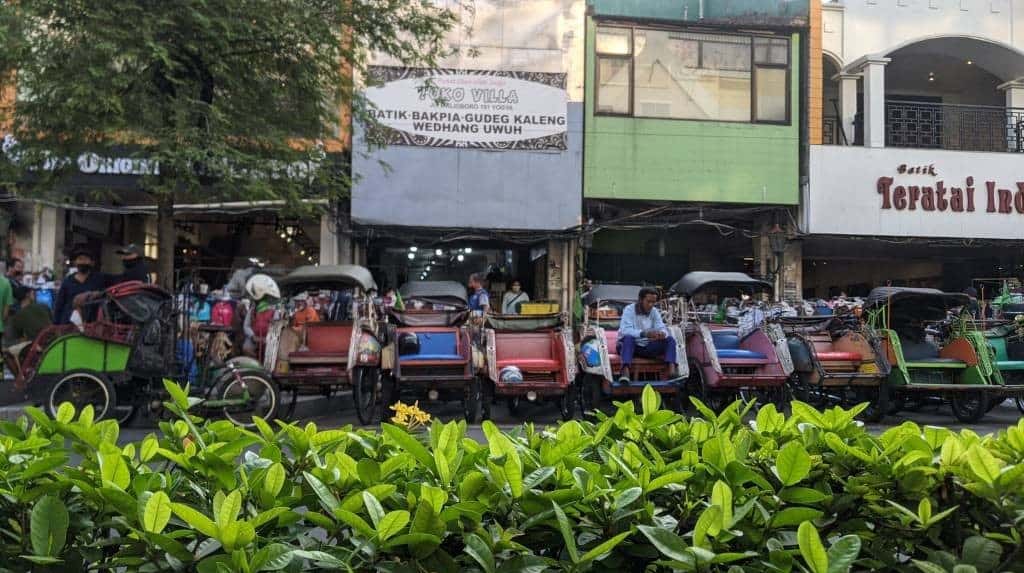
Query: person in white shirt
[513, 298]
[642, 332]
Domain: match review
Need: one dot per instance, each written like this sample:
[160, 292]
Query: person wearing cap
[85, 279]
[303, 312]
[135, 267]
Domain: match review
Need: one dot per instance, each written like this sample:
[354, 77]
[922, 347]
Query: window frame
[630, 62]
[631, 59]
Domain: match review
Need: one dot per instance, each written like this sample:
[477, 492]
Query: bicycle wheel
[83, 388]
[263, 399]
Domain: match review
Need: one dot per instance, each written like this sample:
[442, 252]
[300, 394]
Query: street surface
[343, 413]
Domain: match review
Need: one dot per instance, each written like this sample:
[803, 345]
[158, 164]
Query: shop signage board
[476, 109]
[915, 193]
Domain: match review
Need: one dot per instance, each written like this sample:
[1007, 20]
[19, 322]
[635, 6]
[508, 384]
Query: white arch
[838, 61]
[1000, 59]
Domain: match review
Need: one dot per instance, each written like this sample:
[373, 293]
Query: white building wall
[856, 28]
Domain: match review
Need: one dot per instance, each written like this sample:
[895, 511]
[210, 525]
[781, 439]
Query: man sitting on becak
[643, 333]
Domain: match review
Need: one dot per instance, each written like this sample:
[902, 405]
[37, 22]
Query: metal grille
[539, 376]
[830, 131]
[955, 127]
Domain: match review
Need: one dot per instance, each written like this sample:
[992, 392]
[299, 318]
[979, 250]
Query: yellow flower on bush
[411, 417]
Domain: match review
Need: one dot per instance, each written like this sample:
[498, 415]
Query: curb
[305, 408]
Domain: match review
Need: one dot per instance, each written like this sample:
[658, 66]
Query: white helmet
[259, 286]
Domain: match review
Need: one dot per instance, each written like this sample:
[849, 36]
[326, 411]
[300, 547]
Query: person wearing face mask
[85, 279]
[135, 267]
[514, 298]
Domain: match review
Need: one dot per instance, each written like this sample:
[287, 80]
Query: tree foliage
[233, 99]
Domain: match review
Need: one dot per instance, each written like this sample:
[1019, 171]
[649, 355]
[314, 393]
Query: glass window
[613, 77]
[771, 94]
[672, 82]
[691, 75]
[613, 41]
[726, 53]
[771, 51]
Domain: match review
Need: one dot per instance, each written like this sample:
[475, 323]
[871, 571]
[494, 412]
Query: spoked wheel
[84, 388]
[567, 404]
[472, 402]
[366, 394]
[969, 407]
[697, 387]
[252, 394]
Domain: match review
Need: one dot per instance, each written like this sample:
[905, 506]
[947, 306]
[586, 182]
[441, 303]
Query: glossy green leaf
[477, 549]
[157, 512]
[843, 553]
[195, 519]
[667, 542]
[392, 523]
[794, 516]
[567, 533]
[48, 525]
[273, 480]
[793, 463]
[811, 549]
[603, 549]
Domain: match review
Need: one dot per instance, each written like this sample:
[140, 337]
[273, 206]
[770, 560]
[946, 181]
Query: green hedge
[637, 491]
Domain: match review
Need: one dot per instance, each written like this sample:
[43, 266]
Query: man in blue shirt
[479, 300]
[642, 333]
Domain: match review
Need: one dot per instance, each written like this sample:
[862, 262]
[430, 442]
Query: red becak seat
[839, 357]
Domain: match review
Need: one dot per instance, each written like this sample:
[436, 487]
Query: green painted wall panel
[769, 12]
[77, 351]
[685, 160]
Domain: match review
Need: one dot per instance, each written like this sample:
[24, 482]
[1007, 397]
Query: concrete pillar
[328, 240]
[1014, 114]
[848, 105]
[874, 101]
[792, 275]
[47, 239]
[556, 270]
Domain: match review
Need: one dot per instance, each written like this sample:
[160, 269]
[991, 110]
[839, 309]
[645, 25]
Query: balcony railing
[956, 127]
[832, 132]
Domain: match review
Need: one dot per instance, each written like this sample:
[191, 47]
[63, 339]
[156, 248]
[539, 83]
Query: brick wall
[815, 104]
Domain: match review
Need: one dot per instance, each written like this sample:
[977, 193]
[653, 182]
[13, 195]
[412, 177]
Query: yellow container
[539, 307]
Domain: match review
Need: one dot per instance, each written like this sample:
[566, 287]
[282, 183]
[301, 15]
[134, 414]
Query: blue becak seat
[727, 345]
[436, 346]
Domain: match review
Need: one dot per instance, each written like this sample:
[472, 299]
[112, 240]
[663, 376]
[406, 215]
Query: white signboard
[467, 108]
[915, 193]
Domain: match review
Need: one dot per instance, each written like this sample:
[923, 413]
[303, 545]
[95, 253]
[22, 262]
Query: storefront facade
[915, 168]
[476, 166]
[693, 131]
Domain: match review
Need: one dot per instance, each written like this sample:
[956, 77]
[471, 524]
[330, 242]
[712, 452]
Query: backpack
[223, 313]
